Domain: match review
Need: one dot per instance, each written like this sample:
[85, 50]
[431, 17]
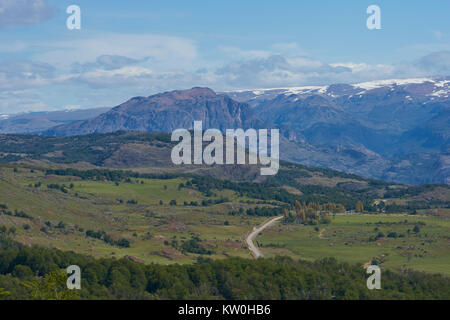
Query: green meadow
[144, 213]
[139, 211]
[387, 240]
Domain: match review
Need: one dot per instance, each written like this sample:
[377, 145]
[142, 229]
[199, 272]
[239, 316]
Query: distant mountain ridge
[32, 122]
[394, 130]
[434, 87]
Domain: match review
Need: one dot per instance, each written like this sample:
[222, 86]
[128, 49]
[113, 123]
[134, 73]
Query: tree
[285, 213]
[50, 287]
[299, 209]
[22, 272]
[416, 229]
[359, 206]
[3, 292]
[331, 207]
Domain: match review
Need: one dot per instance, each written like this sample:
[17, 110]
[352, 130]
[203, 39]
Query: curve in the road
[254, 250]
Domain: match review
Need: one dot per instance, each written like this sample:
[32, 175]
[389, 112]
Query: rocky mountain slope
[405, 123]
[166, 112]
[395, 130]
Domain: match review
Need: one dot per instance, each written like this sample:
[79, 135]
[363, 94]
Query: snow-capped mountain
[395, 130]
[430, 87]
[404, 123]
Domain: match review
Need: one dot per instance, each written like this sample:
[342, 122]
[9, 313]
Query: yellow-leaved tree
[359, 206]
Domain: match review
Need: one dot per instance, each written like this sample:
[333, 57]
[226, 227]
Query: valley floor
[165, 221]
[385, 240]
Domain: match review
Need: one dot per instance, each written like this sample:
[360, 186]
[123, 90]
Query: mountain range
[400, 127]
[396, 130]
[33, 122]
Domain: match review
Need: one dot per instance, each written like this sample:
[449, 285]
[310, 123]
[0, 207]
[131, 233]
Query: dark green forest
[38, 273]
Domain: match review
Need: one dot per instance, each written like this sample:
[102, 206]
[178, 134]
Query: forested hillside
[280, 278]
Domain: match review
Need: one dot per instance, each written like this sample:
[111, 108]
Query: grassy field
[151, 227]
[140, 211]
[353, 238]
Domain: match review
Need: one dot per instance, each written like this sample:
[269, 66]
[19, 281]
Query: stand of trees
[312, 213]
[37, 273]
[108, 175]
[102, 235]
[259, 211]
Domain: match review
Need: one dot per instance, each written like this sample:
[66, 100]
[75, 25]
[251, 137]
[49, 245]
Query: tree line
[37, 273]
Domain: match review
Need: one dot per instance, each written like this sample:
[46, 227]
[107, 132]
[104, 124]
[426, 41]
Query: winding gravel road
[254, 250]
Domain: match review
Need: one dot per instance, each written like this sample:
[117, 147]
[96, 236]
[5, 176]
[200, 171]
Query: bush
[22, 272]
[392, 235]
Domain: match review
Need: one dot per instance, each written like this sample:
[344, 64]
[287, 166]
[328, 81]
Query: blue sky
[131, 48]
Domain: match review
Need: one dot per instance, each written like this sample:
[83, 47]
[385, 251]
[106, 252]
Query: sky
[138, 48]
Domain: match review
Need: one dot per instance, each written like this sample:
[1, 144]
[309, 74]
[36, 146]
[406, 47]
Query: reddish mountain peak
[196, 92]
[200, 91]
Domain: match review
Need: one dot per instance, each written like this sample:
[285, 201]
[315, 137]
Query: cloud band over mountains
[138, 76]
[94, 68]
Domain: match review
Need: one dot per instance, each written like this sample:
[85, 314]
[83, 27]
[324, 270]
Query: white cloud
[438, 35]
[15, 46]
[163, 51]
[238, 53]
[355, 67]
[288, 49]
[435, 63]
[19, 101]
[93, 71]
[24, 12]
[107, 62]
[22, 74]
[277, 70]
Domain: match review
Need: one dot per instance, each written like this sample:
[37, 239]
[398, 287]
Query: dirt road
[254, 250]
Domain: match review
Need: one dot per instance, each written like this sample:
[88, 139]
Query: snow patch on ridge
[442, 88]
[391, 82]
